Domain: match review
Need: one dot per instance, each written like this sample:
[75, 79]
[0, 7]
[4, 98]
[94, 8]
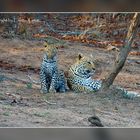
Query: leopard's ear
[80, 56]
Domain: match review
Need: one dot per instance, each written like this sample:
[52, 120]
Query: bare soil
[22, 104]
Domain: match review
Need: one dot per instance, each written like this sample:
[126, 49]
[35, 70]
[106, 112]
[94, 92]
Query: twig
[46, 101]
[84, 33]
[33, 81]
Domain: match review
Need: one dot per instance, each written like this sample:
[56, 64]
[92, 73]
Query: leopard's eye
[89, 62]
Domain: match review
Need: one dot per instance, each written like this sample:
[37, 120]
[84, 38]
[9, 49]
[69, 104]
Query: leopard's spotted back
[52, 79]
[79, 78]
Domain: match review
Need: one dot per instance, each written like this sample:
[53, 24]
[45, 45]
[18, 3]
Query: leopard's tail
[33, 81]
[129, 94]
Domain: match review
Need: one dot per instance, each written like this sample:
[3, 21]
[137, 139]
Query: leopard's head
[50, 51]
[84, 66]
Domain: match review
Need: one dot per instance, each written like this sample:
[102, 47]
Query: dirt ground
[22, 104]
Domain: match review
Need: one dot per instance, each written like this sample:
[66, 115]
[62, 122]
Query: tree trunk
[124, 51]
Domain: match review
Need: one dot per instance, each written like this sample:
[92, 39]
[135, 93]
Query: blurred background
[69, 5]
[69, 133]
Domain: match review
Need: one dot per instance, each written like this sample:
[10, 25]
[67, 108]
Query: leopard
[80, 78]
[80, 75]
[52, 78]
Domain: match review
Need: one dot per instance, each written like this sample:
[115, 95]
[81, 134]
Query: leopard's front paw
[51, 90]
[44, 91]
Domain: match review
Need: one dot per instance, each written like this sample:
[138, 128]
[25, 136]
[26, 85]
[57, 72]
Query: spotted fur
[79, 78]
[52, 79]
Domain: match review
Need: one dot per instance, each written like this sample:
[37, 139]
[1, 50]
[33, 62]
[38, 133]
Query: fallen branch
[33, 81]
[65, 33]
[46, 101]
[14, 79]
